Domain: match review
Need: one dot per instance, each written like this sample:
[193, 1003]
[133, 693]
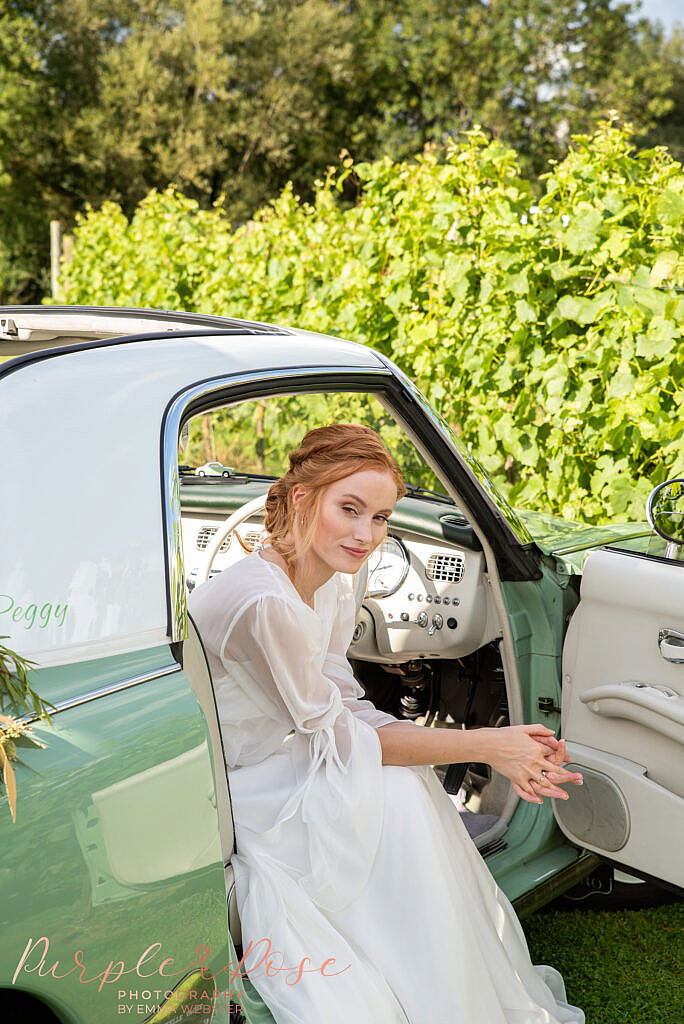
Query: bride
[361, 895]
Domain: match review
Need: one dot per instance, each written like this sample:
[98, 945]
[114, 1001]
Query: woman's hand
[525, 754]
[556, 774]
[522, 753]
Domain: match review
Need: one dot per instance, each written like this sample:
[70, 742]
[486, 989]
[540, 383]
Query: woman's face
[352, 519]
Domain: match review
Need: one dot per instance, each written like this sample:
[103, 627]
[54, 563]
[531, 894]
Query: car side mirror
[665, 514]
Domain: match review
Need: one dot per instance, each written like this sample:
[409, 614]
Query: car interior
[427, 637]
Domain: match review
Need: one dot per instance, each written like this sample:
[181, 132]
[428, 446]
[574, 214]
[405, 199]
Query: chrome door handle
[671, 644]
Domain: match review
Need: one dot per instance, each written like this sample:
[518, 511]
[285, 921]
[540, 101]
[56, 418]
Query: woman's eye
[383, 519]
[348, 508]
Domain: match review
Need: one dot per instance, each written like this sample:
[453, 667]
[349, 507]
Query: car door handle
[671, 644]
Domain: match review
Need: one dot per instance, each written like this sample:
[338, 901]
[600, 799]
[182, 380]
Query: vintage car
[117, 885]
[214, 469]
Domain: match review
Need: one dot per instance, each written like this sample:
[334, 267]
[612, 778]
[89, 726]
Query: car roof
[37, 332]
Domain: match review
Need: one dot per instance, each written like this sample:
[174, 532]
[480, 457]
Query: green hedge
[547, 330]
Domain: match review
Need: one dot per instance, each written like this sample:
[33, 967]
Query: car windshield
[255, 437]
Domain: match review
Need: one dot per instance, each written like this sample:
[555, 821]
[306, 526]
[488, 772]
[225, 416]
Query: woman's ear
[298, 492]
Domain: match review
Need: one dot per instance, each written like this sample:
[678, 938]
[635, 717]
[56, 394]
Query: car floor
[479, 801]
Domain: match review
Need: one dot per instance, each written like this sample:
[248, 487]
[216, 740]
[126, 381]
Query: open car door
[623, 713]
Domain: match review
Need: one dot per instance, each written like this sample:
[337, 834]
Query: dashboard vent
[205, 535]
[252, 538]
[445, 568]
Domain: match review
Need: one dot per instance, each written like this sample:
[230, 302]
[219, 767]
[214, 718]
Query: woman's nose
[362, 529]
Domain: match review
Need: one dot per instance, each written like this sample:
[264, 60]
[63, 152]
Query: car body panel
[116, 845]
[508, 534]
[558, 536]
[523, 876]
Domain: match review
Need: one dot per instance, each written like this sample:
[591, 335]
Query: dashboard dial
[387, 568]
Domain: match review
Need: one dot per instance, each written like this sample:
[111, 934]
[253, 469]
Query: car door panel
[623, 713]
[117, 844]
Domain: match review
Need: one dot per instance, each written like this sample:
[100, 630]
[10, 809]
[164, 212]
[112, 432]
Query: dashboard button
[452, 623]
[411, 596]
[428, 598]
[404, 616]
[447, 600]
[438, 599]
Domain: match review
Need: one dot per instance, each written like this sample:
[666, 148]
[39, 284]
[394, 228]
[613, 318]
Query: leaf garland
[16, 688]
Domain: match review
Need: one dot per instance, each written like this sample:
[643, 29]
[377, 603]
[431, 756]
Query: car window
[255, 437]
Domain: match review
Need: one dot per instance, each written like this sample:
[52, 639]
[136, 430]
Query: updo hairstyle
[325, 455]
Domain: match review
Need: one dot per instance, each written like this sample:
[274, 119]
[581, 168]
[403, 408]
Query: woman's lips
[354, 552]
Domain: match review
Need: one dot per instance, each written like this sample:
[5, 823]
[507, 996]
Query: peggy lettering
[32, 615]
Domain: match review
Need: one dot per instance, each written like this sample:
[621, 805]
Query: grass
[620, 966]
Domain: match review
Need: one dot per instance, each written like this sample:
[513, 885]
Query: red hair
[325, 455]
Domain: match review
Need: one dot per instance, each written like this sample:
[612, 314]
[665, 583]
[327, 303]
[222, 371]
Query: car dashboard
[427, 594]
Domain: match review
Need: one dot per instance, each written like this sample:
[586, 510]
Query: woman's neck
[309, 579]
[310, 573]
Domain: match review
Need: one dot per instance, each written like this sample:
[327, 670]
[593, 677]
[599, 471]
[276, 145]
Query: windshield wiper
[414, 491]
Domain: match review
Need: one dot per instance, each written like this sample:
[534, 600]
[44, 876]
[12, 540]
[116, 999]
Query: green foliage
[548, 333]
[107, 99]
[15, 688]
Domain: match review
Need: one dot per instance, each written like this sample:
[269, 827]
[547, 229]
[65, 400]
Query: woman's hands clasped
[532, 758]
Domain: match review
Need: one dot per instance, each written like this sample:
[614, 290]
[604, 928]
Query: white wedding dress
[340, 856]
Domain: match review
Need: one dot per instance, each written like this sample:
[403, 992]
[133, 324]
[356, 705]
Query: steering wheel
[258, 504]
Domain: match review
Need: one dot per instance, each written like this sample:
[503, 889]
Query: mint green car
[117, 886]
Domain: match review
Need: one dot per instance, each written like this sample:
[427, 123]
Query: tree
[221, 98]
[669, 128]
[230, 99]
[49, 60]
[530, 71]
[106, 99]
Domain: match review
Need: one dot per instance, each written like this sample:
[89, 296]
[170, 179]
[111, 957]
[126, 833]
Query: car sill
[526, 904]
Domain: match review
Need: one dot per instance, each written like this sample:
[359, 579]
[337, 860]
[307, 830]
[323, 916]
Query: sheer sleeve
[337, 757]
[279, 640]
[336, 665]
